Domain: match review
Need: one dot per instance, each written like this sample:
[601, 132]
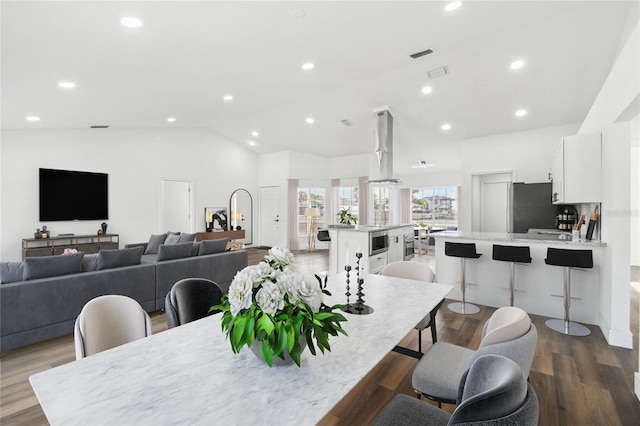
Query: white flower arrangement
[276, 304]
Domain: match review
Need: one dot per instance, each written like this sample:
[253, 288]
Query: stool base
[463, 308]
[574, 328]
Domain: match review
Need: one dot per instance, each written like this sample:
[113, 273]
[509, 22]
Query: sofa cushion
[109, 259]
[52, 266]
[172, 239]
[154, 243]
[187, 238]
[174, 251]
[11, 272]
[89, 262]
[195, 248]
[213, 246]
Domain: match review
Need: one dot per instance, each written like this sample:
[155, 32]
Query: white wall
[634, 190]
[135, 160]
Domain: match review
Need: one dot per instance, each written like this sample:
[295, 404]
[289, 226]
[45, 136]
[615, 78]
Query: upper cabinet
[576, 173]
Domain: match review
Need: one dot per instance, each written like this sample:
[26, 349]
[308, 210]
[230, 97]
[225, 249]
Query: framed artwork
[216, 219]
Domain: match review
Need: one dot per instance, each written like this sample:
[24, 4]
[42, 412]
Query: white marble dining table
[188, 375]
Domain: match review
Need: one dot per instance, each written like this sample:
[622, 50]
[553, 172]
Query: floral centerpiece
[276, 305]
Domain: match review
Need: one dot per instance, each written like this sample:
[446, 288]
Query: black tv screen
[73, 195]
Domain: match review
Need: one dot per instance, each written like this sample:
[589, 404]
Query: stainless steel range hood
[383, 134]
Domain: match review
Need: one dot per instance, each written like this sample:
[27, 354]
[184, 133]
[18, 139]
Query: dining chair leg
[434, 334]
[420, 340]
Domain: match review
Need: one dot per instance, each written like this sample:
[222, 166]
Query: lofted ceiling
[188, 55]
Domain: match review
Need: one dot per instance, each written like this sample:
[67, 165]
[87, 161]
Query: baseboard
[621, 338]
[636, 382]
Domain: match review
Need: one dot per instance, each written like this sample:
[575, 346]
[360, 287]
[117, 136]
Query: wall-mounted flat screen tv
[73, 195]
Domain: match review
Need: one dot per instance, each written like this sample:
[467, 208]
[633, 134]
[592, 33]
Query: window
[310, 197]
[381, 197]
[349, 200]
[435, 207]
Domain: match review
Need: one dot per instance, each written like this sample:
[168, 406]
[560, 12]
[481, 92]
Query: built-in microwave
[378, 242]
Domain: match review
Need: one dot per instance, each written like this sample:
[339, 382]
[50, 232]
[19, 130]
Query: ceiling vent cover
[347, 122]
[421, 54]
[100, 127]
[438, 72]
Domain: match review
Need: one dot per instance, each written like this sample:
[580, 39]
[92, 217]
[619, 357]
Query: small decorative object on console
[104, 227]
[69, 251]
[275, 304]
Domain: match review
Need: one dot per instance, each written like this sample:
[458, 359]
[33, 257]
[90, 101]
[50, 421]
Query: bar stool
[513, 255]
[464, 251]
[568, 259]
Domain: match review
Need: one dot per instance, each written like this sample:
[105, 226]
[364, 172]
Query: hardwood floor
[579, 380]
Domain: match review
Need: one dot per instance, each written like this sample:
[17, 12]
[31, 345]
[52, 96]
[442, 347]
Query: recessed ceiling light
[33, 118]
[452, 6]
[298, 13]
[252, 143]
[171, 119]
[309, 120]
[227, 98]
[446, 126]
[426, 90]
[255, 134]
[521, 113]
[131, 22]
[516, 65]
[67, 84]
[307, 66]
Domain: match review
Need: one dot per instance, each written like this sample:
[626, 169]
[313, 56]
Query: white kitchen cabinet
[576, 172]
[396, 245]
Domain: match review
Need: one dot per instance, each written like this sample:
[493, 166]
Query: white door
[176, 206]
[494, 207]
[270, 216]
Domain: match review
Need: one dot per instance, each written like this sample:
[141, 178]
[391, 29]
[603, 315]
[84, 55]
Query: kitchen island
[379, 246]
[538, 286]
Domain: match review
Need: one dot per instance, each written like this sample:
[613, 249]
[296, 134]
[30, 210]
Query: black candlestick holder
[358, 308]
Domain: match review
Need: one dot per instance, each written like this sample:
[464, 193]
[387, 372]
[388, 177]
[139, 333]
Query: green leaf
[266, 324]
[267, 354]
[238, 333]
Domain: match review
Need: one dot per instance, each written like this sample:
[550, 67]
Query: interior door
[176, 210]
[270, 216]
[494, 207]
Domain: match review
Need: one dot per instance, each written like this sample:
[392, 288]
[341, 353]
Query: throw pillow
[109, 259]
[174, 251]
[11, 272]
[154, 243]
[89, 262]
[213, 246]
[187, 238]
[52, 266]
[172, 239]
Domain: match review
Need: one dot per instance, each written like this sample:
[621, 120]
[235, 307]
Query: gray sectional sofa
[35, 307]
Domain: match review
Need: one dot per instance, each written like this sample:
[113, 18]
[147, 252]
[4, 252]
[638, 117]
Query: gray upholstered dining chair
[509, 332]
[419, 272]
[494, 391]
[190, 299]
[109, 321]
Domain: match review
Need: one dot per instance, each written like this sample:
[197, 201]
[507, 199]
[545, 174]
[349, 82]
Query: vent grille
[438, 72]
[346, 122]
[100, 127]
[421, 54]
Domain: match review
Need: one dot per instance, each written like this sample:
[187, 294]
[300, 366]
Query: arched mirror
[241, 214]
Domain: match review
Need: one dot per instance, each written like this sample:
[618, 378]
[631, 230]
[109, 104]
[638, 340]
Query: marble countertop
[532, 237]
[189, 375]
[369, 228]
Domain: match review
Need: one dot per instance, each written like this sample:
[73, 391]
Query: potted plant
[275, 310]
[345, 217]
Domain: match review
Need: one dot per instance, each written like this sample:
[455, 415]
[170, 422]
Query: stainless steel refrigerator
[530, 207]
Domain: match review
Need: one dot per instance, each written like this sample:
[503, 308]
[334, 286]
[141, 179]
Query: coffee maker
[567, 217]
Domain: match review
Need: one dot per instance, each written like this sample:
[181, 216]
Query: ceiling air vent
[346, 122]
[100, 127]
[438, 72]
[421, 54]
